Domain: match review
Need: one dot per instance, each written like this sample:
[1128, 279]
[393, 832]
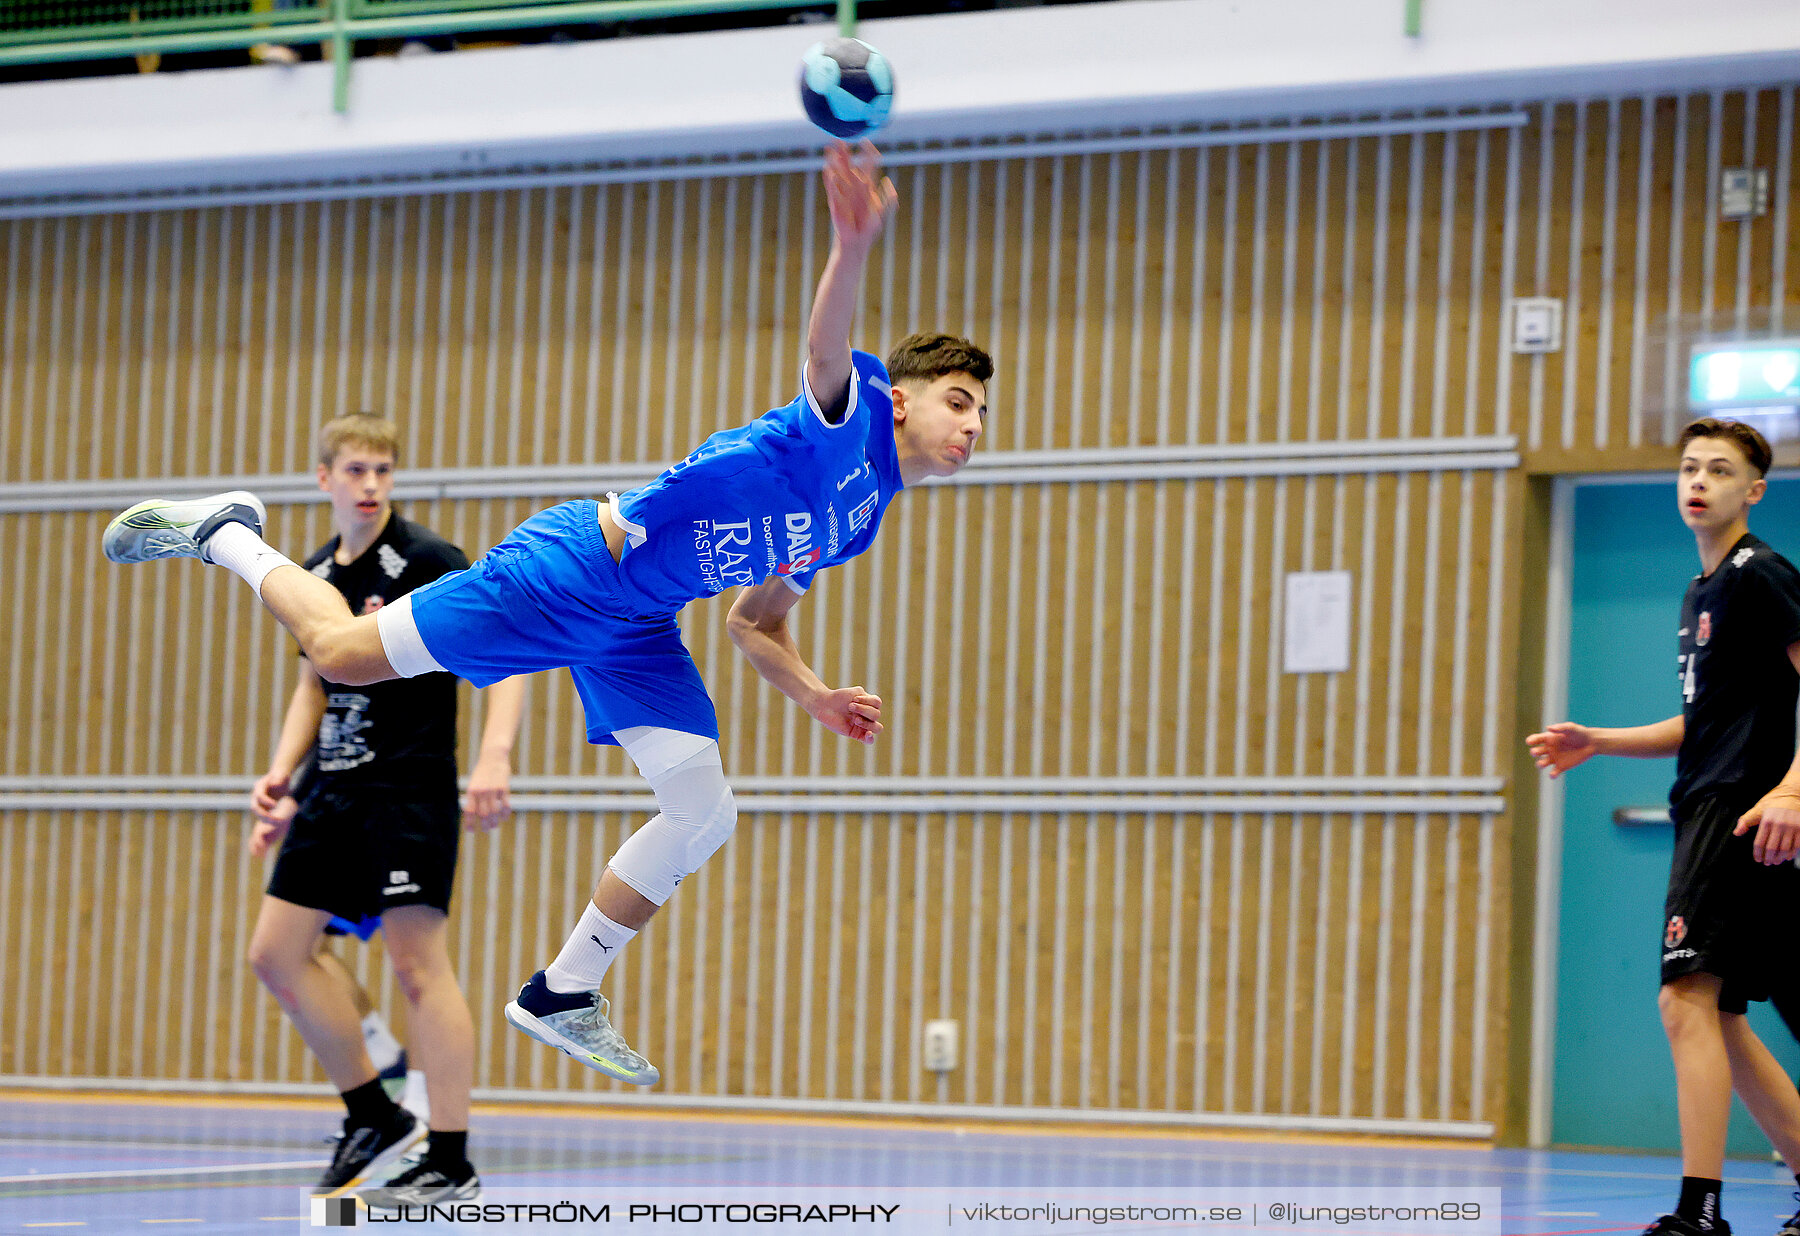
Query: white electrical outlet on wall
[1536, 324]
[940, 1045]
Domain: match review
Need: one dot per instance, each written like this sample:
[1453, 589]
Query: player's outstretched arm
[1562, 746]
[861, 199]
[488, 800]
[758, 626]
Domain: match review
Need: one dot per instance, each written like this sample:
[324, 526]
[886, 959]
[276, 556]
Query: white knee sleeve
[698, 813]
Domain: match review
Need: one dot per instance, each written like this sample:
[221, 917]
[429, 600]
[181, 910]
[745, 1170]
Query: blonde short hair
[364, 429]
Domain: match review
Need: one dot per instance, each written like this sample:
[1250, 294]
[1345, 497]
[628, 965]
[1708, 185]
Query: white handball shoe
[579, 1025]
[163, 529]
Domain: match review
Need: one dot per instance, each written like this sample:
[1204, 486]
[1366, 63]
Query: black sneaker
[368, 1150]
[394, 1080]
[425, 1184]
[1675, 1225]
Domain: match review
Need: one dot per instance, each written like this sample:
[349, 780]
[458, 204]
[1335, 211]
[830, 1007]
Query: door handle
[1631, 817]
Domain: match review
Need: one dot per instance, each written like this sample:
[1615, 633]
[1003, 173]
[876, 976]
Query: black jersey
[398, 733]
[1738, 687]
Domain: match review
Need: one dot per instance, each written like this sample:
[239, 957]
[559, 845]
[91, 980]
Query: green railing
[46, 32]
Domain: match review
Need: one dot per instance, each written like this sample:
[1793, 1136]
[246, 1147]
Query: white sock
[384, 1048]
[238, 549]
[592, 946]
[416, 1098]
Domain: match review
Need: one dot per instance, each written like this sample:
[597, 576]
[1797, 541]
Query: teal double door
[1631, 561]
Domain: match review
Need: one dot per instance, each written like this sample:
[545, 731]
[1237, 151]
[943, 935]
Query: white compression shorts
[400, 639]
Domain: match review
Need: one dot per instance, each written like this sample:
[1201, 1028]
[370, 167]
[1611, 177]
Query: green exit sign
[1744, 375]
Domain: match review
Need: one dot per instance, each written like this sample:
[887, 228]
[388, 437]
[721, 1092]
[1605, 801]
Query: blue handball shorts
[550, 595]
[363, 929]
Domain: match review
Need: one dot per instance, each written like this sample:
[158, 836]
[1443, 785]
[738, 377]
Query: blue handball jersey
[785, 496]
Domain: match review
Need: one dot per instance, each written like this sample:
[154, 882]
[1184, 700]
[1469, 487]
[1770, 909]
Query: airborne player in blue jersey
[595, 586]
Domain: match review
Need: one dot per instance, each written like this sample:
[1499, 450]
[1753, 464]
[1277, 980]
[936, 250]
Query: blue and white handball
[847, 87]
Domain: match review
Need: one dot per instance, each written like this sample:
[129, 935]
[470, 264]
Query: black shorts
[361, 852]
[1725, 913]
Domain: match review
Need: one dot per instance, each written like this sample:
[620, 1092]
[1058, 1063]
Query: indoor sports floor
[83, 1164]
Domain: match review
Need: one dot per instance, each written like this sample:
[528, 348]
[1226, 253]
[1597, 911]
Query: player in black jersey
[375, 834]
[1736, 805]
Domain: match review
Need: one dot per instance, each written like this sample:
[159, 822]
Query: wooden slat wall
[1234, 958]
[1619, 216]
[1278, 293]
[1242, 931]
[1298, 964]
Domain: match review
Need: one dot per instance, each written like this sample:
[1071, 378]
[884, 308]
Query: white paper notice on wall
[1318, 622]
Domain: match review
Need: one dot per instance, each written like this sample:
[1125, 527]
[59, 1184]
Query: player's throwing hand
[860, 197]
